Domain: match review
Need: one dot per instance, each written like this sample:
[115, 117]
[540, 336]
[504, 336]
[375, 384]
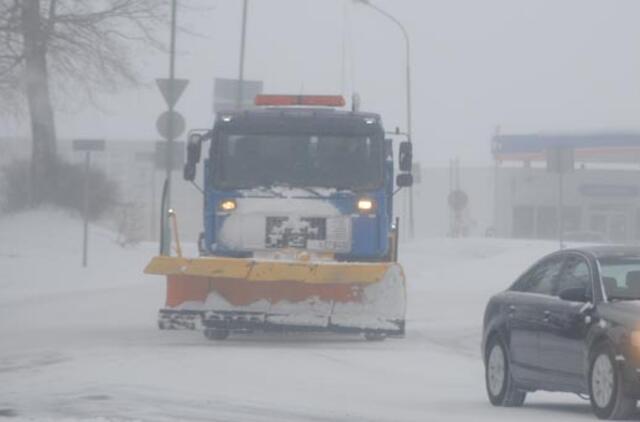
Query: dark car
[570, 323]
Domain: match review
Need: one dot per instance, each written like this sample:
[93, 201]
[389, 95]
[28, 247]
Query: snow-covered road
[83, 344]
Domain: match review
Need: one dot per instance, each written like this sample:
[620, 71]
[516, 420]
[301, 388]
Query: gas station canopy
[614, 147]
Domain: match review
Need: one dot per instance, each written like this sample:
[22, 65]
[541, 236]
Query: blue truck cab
[298, 178]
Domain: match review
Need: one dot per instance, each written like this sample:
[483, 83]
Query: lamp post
[405, 34]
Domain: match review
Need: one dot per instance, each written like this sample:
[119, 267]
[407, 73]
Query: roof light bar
[300, 100]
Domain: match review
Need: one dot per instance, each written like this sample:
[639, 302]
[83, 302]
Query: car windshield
[333, 161]
[621, 277]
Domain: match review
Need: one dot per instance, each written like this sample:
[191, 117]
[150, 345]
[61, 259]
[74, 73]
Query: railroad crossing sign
[171, 119]
[171, 89]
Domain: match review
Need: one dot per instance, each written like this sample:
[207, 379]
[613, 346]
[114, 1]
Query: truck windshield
[333, 161]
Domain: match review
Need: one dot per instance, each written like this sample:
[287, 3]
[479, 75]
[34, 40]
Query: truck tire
[606, 387]
[501, 388]
[373, 336]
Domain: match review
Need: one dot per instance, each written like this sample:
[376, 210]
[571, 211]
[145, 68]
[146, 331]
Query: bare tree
[77, 46]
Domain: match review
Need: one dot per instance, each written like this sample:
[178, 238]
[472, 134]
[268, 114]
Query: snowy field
[82, 344]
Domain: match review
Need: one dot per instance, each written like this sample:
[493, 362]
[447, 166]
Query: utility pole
[243, 38]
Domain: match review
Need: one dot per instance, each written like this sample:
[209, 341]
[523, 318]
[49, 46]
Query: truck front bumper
[244, 321]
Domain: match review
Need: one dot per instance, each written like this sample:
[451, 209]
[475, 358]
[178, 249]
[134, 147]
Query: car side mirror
[194, 151]
[574, 294]
[404, 180]
[405, 156]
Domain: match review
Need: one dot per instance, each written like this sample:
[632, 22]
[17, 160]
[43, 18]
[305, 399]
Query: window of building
[547, 223]
[571, 219]
[523, 222]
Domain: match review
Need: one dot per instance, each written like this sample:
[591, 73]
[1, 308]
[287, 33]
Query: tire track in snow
[17, 363]
[463, 341]
[161, 406]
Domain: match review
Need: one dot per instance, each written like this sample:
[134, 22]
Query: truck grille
[312, 233]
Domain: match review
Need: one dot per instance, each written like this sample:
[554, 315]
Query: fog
[306, 263]
[526, 66]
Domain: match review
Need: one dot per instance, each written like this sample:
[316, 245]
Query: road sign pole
[165, 247]
[152, 217]
[561, 209]
[85, 234]
[560, 160]
[86, 146]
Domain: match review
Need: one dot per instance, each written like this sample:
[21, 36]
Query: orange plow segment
[183, 289]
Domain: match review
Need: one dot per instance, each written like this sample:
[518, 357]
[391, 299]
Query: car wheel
[500, 386]
[216, 334]
[606, 391]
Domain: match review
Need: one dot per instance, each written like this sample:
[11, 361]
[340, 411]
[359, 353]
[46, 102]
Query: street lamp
[405, 34]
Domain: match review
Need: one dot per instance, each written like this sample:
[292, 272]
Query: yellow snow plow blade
[269, 271]
[233, 294]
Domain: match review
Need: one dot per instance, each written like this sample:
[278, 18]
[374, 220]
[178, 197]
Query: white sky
[526, 65]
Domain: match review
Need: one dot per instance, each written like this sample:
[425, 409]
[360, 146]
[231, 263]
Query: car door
[562, 340]
[526, 317]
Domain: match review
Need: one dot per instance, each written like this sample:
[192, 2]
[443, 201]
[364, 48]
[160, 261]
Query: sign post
[87, 146]
[560, 160]
[170, 124]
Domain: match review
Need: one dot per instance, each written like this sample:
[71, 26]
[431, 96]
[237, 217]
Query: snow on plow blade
[246, 295]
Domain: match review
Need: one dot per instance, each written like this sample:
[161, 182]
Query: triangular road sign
[171, 92]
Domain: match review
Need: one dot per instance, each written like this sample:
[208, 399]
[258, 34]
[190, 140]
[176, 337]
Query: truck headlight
[227, 205]
[365, 205]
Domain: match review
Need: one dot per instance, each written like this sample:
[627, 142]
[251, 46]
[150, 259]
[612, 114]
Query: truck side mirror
[405, 156]
[404, 180]
[189, 172]
[194, 151]
[194, 148]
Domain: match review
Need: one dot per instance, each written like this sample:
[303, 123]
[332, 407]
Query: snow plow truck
[299, 233]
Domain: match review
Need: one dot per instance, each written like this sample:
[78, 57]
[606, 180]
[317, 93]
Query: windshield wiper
[311, 191]
[272, 191]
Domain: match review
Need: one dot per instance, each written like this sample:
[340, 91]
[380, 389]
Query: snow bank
[41, 253]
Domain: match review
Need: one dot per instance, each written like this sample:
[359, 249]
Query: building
[591, 180]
